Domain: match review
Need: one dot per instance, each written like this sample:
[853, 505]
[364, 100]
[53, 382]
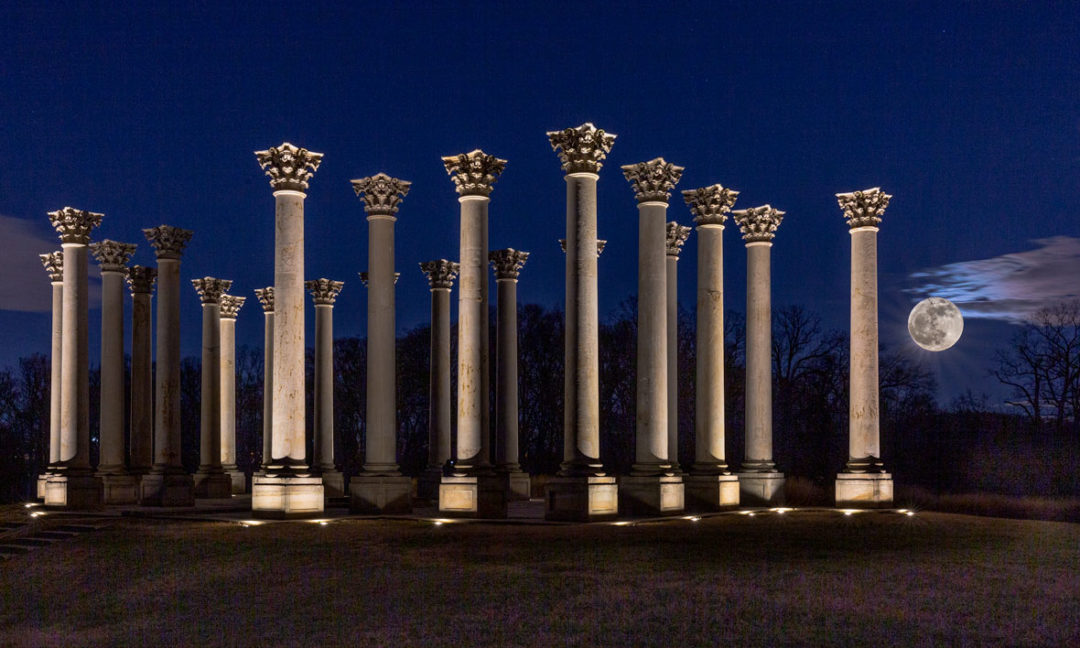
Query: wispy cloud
[1009, 287]
[24, 284]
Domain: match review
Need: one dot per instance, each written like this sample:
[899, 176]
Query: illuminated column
[864, 481]
[440, 274]
[230, 308]
[653, 486]
[324, 292]
[582, 490]
[759, 482]
[73, 484]
[710, 486]
[266, 299]
[600, 245]
[119, 486]
[54, 265]
[288, 489]
[507, 264]
[141, 281]
[211, 480]
[676, 237]
[472, 490]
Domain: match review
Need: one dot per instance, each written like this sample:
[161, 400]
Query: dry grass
[1059, 509]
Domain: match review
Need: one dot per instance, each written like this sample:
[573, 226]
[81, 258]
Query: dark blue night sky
[968, 113]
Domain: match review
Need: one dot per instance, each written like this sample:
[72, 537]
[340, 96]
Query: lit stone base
[213, 485]
[864, 490]
[162, 489]
[239, 479]
[286, 496]
[651, 494]
[333, 482]
[518, 485]
[581, 499]
[120, 489]
[75, 492]
[761, 488]
[705, 493]
[473, 496]
[380, 494]
[427, 486]
[41, 481]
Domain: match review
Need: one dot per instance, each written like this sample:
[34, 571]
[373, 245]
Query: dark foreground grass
[814, 578]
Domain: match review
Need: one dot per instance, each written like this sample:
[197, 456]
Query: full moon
[935, 324]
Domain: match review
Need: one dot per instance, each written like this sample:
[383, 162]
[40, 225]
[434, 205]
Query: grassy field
[802, 578]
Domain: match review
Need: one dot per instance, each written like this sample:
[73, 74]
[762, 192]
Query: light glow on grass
[37, 514]
[30, 504]
[693, 518]
[850, 512]
[250, 523]
[621, 523]
[781, 510]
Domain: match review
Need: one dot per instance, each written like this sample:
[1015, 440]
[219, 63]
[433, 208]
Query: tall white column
[507, 264]
[710, 486]
[211, 480]
[676, 237]
[441, 274]
[652, 487]
[73, 484]
[54, 266]
[266, 299]
[864, 481]
[472, 490]
[141, 281]
[230, 308]
[759, 482]
[324, 292]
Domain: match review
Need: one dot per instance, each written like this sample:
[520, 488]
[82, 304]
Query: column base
[473, 496]
[864, 490]
[74, 492]
[239, 479]
[212, 485]
[167, 489]
[333, 482]
[284, 496]
[582, 499]
[711, 492]
[42, 480]
[518, 484]
[761, 488]
[380, 494]
[120, 489]
[651, 494]
[427, 485]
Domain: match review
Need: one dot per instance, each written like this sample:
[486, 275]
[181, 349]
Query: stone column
[440, 274]
[472, 490]
[508, 264]
[864, 481]
[288, 489]
[141, 281]
[324, 292]
[230, 308]
[266, 299]
[381, 487]
[54, 265]
[211, 480]
[120, 487]
[676, 238]
[710, 486]
[653, 486]
[581, 491]
[73, 484]
[600, 245]
[759, 482]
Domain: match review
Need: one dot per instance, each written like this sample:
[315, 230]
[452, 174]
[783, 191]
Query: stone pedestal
[75, 492]
[761, 488]
[868, 490]
[705, 493]
[473, 496]
[390, 494]
[651, 494]
[582, 499]
[333, 483]
[275, 496]
[166, 489]
[120, 489]
[42, 480]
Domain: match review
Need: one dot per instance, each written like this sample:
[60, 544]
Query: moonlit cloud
[1009, 287]
[24, 284]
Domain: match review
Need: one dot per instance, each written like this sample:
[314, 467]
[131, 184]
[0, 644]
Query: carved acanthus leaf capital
[168, 241]
[600, 245]
[864, 208]
[324, 291]
[676, 237]
[113, 256]
[507, 263]
[288, 166]
[474, 173]
[758, 224]
[141, 279]
[381, 193]
[266, 298]
[54, 265]
[440, 273]
[364, 278]
[231, 305]
[211, 289]
[74, 225]
[653, 180]
[710, 205]
[583, 148]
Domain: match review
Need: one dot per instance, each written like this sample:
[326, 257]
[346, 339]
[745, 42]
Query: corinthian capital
[864, 208]
[231, 305]
[758, 224]
[324, 291]
[381, 193]
[141, 279]
[266, 298]
[288, 166]
[474, 173]
[676, 237]
[600, 245]
[710, 205]
[168, 241]
[653, 180]
[112, 255]
[440, 273]
[507, 263]
[210, 289]
[583, 148]
[54, 265]
[74, 225]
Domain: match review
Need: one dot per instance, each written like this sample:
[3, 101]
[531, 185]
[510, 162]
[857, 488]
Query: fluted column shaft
[210, 390]
[758, 358]
[112, 372]
[56, 370]
[287, 445]
[324, 386]
[142, 376]
[864, 437]
[709, 451]
[652, 396]
[381, 425]
[167, 374]
[506, 391]
[439, 389]
[472, 315]
[228, 392]
[75, 372]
